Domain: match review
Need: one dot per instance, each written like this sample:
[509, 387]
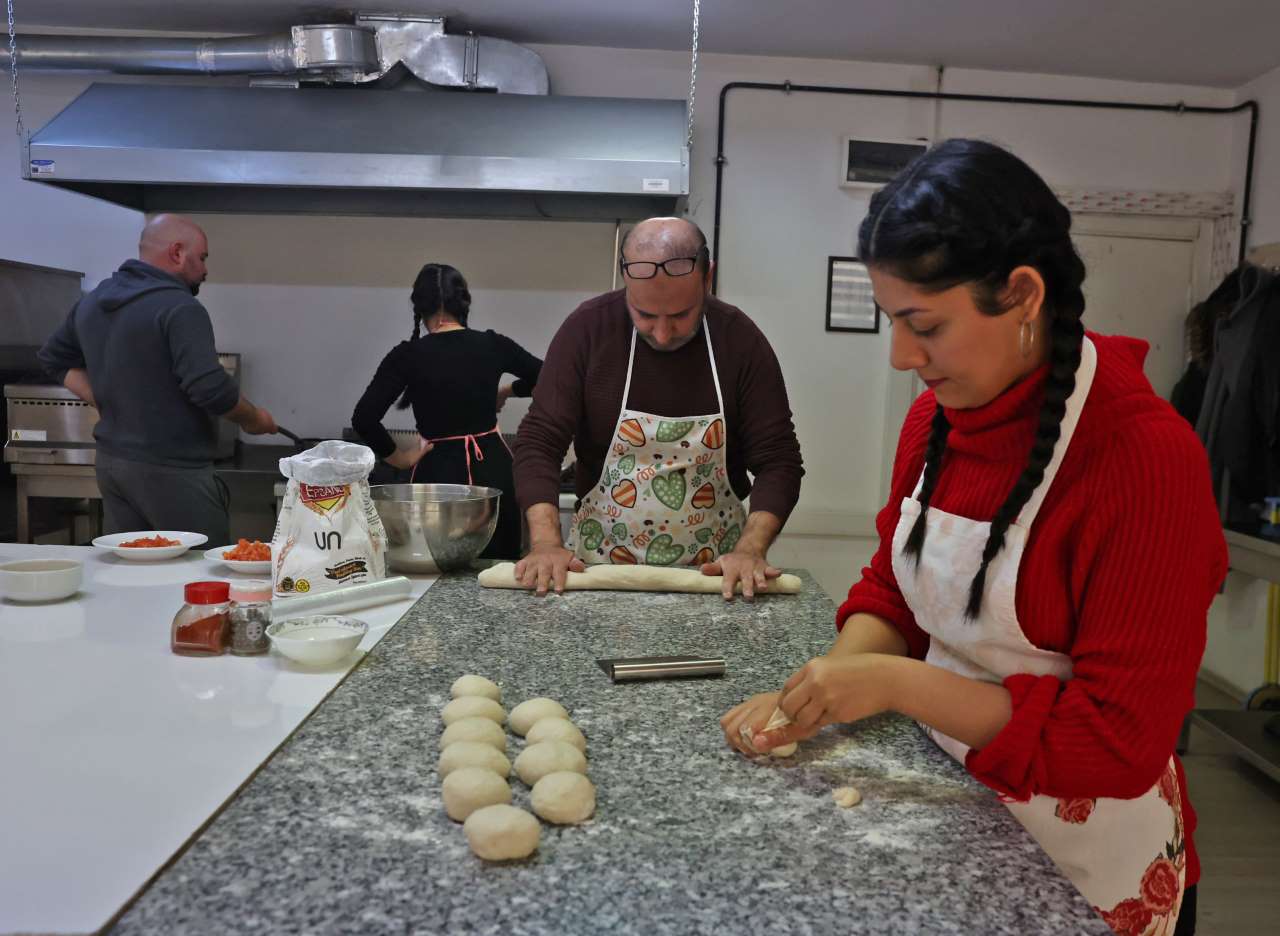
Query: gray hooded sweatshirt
[147, 345]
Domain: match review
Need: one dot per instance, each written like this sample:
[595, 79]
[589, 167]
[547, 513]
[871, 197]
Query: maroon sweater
[579, 396]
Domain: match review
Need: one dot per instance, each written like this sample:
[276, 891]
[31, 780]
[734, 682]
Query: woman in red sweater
[1049, 550]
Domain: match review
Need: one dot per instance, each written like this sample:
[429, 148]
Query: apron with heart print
[663, 497]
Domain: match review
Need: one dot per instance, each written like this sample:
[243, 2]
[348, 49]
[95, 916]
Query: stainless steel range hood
[367, 152]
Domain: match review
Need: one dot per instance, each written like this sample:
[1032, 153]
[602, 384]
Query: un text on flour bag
[329, 534]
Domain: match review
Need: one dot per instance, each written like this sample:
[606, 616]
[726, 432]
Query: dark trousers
[1187, 915]
[139, 496]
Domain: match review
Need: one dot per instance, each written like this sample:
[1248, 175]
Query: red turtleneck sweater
[1121, 564]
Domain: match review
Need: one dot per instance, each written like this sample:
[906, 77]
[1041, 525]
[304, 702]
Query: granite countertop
[344, 830]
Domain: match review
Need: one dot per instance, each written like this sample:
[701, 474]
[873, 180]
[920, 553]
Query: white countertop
[113, 750]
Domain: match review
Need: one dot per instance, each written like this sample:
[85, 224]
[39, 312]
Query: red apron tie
[469, 441]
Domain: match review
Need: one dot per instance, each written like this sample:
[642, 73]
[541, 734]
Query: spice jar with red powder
[200, 627]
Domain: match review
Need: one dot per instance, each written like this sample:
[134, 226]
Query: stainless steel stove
[50, 446]
[50, 425]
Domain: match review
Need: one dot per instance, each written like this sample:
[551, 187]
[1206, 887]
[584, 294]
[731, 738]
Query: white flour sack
[328, 534]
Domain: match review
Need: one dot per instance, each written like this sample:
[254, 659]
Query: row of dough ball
[474, 768]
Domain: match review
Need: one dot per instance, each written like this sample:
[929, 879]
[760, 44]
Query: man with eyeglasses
[676, 408]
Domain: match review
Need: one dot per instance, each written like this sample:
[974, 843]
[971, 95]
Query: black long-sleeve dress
[452, 380]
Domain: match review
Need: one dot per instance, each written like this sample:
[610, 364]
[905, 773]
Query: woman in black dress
[451, 376]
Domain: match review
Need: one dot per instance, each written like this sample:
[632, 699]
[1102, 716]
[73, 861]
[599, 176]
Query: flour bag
[328, 534]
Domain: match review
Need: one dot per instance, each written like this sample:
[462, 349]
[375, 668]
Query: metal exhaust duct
[320, 49]
[358, 53]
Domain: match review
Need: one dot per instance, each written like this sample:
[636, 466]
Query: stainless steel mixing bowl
[435, 527]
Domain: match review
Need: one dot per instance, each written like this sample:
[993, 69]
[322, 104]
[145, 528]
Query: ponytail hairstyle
[437, 287]
[968, 212]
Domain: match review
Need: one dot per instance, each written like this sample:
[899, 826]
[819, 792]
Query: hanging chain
[693, 70]
[13, 73]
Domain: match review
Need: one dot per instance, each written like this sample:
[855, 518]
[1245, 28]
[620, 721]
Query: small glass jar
[249, 617]
[200, 626]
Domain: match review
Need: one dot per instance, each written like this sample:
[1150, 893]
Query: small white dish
[317, 639]
[186, 541]
[248, 566]
[40, 579]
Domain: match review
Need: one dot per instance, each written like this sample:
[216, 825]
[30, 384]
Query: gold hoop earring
[1026, 339]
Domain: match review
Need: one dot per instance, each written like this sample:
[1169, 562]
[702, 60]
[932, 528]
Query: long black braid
[437, 286]
[969, 212]
[1066, 335]
[932, 468]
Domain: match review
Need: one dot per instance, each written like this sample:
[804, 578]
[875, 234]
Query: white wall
[49, 227]
[314, 303]
[1266, 174]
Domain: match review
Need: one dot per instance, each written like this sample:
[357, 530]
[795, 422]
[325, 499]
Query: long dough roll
[637, 578]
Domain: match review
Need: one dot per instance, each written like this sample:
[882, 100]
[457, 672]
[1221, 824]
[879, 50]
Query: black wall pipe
[788, 88]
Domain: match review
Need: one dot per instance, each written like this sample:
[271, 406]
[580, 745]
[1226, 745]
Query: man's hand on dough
[751, 569]
[547, 567]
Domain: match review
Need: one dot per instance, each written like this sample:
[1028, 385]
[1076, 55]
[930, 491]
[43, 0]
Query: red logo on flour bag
[324, 498]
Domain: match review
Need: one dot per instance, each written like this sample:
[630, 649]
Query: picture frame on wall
[851, 306]
[870, 164]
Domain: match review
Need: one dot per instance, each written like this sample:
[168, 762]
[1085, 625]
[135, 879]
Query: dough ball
[538, 760]
[556, 729]
[475, 729]
[846, 796]
[564, 797]
[473, 754]
[502, 832]
[525, 715]
[473, 707]
[470, 788]
[475, 686]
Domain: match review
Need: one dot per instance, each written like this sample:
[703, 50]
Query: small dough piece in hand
[470, 788]
[538, 760]
[564, 797]
[475, 729]
[846, 796]
[473, 754]
[502, 832]
[473, 707]
[471, 685]
[557, 729]
[528, 713]
[777, 720]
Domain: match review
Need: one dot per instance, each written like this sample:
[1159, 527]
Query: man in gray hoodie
[140, 348]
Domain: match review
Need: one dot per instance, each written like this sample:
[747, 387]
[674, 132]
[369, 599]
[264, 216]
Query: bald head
[176, 245]
[665, 307]
[663, 238]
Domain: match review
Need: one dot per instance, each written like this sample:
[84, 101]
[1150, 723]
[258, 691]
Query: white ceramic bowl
[248, 566]
[186, 541]
[40, 579]
[317, 639]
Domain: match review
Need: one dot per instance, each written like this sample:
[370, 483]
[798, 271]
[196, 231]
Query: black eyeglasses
[648, 269]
